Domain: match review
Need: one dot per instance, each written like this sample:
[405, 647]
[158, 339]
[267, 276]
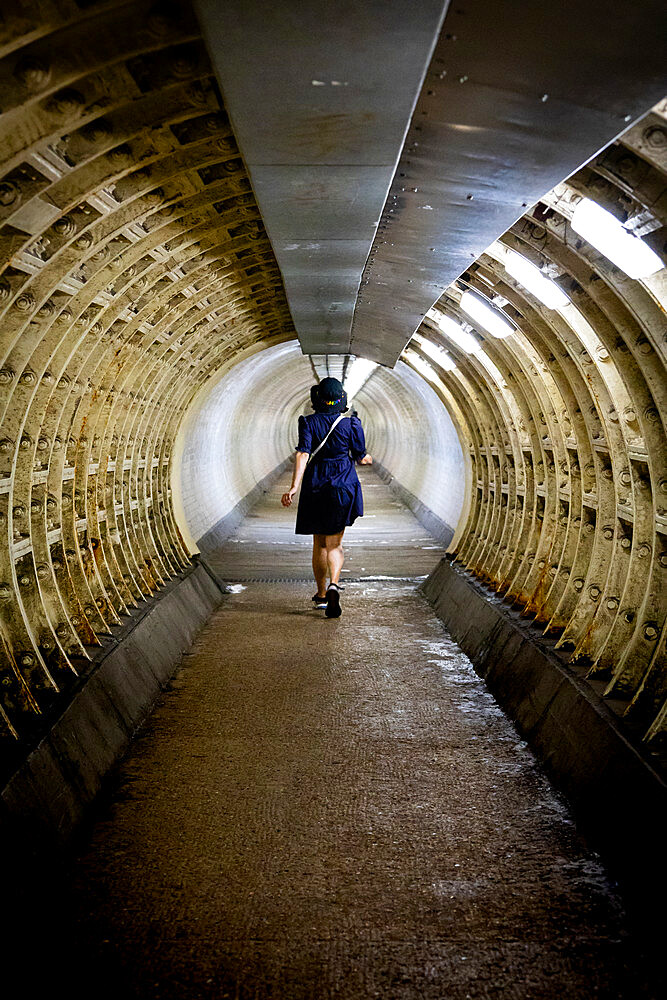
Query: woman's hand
[286, 499]
[366, 460]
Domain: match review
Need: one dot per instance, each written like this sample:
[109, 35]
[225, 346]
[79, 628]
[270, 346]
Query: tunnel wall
[413, 438]
[563, 423]
[238, 432]
[135, 267]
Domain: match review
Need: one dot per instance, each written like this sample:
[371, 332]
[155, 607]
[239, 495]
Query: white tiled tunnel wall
[245, 425]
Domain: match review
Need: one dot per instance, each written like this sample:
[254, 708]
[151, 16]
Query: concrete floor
[388, 541]
[337, 809]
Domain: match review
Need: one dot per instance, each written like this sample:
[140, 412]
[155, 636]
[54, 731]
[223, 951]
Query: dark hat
[331, 390]
[329, 396]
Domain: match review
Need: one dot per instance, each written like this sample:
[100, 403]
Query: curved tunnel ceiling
[135, 270]
[516, 97]
[320, 101]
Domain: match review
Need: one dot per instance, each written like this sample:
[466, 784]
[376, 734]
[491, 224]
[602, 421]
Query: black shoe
[333, 609]
[319, 602]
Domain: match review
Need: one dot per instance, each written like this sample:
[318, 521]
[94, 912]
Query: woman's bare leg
[320, 563]
[335, 556]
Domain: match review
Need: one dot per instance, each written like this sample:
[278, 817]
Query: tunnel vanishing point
[460, 210]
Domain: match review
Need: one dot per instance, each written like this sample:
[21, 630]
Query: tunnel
[460, 213]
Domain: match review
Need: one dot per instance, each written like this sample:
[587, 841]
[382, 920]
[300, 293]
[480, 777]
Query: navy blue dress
[330, 498]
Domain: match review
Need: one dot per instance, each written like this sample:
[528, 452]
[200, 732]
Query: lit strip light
[422, 366]
[613, 241]
[358, 373]
[438, 354]
[532, 279]
[485, 316]
[454, 332]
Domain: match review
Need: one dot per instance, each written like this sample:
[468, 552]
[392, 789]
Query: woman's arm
[358, 442]
[297, 476]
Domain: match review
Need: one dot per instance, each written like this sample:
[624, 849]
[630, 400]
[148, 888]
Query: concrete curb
[46, 798]
[619, 799]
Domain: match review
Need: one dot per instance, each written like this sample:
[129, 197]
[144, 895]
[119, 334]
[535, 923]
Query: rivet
[24, 302]
[656, 137]
[33, 73]
[9, 193]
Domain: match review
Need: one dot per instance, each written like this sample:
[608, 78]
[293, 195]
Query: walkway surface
[338, 809]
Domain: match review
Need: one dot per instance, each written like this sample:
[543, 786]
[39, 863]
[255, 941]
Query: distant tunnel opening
[244, 427]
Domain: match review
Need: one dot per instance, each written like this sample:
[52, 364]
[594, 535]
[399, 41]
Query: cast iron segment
[320, 96]
[510, 106]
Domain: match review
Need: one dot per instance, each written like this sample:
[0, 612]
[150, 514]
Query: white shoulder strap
[325, 439]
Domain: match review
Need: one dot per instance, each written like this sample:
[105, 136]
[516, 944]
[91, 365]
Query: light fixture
[454, 332]
[486, 316]
[612, 239]
[534, 281]
[418, 362]
[492, 369]
[436, 352]
[358, 373]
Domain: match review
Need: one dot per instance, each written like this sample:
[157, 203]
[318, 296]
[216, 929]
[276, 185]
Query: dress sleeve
[357, 440]
[305, 436]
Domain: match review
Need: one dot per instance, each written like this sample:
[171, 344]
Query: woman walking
[331, 499]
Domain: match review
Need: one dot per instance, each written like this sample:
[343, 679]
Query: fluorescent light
[454, 332]
[436, 352]
[358, 373]
[492, 369]
[612, 239]
[417, 362]
[534, 281]
[486, 316]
